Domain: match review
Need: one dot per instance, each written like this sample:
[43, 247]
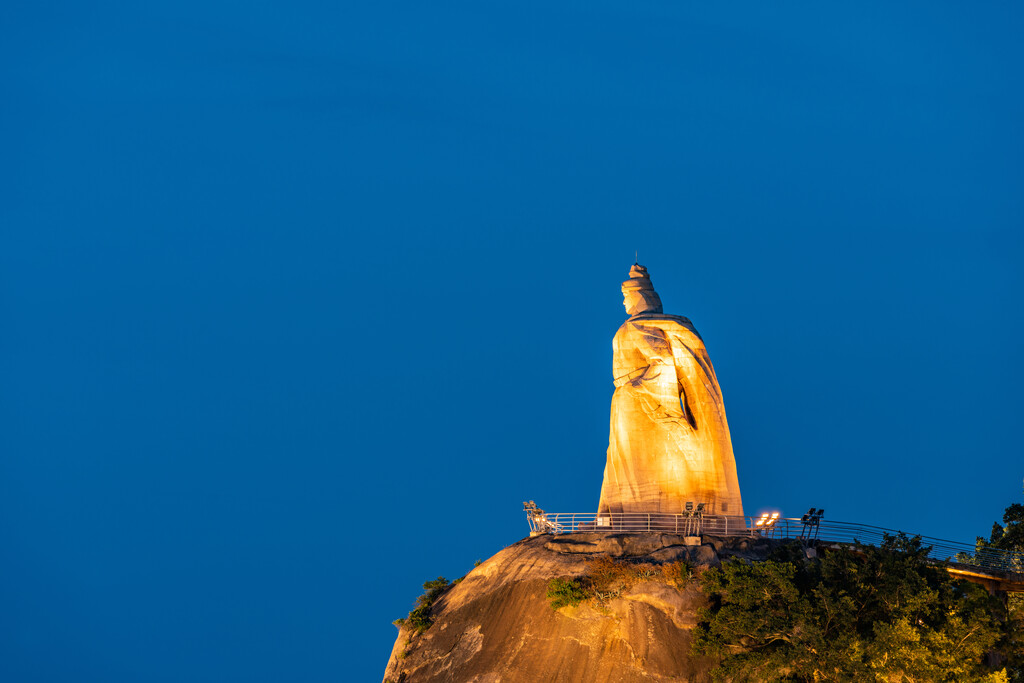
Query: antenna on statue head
[636, 257]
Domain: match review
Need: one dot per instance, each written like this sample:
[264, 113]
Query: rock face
[669, 440]
[497, 626]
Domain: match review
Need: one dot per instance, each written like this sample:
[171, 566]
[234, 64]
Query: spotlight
[811, 521]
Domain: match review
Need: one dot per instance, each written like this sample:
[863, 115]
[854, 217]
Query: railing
[694, 524]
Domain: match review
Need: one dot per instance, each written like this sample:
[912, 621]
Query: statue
[669, 440]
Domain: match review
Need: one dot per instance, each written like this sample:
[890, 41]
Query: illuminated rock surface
[497, 626]
[669, 440]
[669, 444]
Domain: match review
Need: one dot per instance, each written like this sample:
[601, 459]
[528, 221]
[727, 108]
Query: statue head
[638, 295]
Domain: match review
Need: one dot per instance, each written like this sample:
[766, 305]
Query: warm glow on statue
[669, 441]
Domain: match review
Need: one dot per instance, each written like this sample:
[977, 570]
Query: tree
[859, 614]
[1010, 536]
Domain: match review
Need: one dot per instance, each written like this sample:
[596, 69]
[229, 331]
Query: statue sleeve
[657, 390]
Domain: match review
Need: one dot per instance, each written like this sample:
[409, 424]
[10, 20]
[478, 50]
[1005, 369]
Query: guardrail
[695, 524]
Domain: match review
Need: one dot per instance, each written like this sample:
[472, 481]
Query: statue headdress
[638, 278]
[640, 281]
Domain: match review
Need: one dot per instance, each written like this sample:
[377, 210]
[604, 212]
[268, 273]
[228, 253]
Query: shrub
[606, 578]
[677, 574]
[419, 618]
[609, 578]
[857, 614]
[566, 592]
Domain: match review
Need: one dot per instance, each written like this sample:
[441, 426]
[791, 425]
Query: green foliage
[419, 618]
[1006, 536]
[862, 614]
[1009, 536]
[1014, 644]
[606, 578]
[566, 593]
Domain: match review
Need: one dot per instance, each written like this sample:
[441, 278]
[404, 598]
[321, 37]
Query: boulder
[497, 625]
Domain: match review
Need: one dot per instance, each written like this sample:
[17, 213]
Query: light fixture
[767, 520]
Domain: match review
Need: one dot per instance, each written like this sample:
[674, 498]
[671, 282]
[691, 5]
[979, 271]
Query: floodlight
[700, 507]
[689, 506]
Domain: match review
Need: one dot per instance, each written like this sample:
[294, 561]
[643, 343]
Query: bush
[857, 614]
[606, 578]
[419, 618]
[566, 593]
[678, 574]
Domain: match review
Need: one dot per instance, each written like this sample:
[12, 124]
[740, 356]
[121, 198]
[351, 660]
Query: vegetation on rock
[861, 614]
[850, 614]
[566, 592]
[419, 618]
[605, 578]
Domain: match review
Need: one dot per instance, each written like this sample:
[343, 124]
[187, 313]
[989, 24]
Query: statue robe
[669, 440]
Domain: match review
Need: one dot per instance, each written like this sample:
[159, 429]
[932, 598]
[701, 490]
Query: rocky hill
[498, 625]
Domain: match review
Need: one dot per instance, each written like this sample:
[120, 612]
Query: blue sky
[301, 300]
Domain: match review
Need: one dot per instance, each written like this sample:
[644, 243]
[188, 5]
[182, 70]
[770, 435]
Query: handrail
[695, 524]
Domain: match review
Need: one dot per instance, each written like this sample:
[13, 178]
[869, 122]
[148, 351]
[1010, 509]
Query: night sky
[300, 301]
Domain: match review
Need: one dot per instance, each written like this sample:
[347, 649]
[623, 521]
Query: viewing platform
[997, 570]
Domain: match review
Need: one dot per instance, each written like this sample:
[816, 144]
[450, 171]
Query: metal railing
[695, 524]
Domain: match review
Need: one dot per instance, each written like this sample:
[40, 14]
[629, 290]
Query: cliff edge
[497, 624]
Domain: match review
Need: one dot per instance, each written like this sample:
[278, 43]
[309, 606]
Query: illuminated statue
[669, 440]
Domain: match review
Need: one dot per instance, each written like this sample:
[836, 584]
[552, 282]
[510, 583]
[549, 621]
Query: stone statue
[669, 440]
